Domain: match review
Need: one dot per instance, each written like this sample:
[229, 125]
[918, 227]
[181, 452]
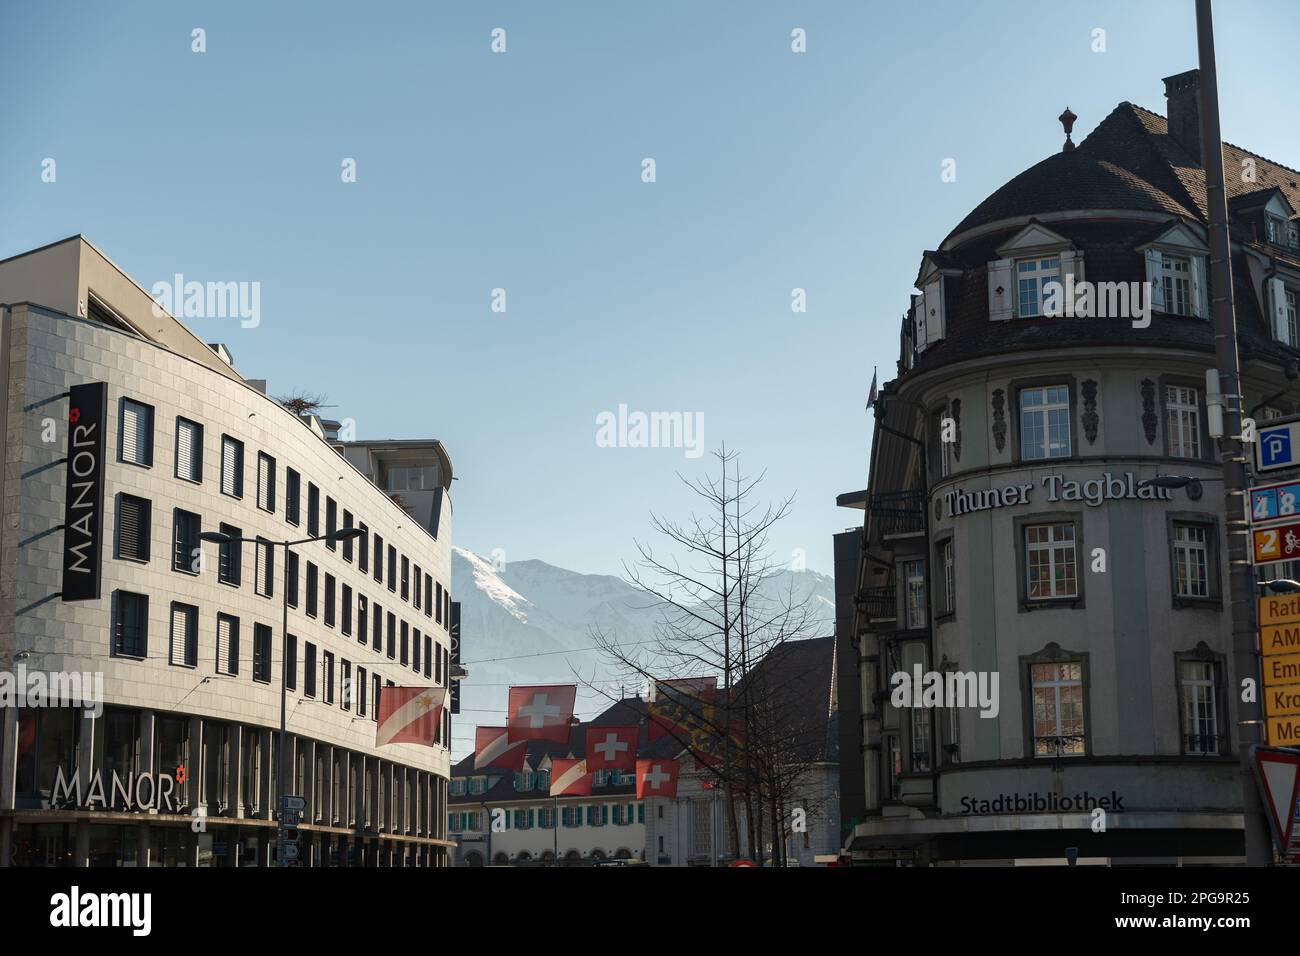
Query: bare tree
[712, 581]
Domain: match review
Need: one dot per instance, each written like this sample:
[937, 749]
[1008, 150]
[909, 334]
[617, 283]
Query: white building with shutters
[176, 764]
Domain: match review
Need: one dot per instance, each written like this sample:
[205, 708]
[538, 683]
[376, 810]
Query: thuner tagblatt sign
[83, 508]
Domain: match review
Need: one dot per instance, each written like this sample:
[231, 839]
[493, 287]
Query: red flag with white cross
[541, 712]
[656, 778]
[409, 715]
[570, 778]
[612, 748]
[492, 748]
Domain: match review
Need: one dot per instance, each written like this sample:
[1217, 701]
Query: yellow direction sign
[1279, 643]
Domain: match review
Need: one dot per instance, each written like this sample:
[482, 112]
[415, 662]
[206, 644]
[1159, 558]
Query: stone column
[235, 785]
[195, 769]
[359, 794]
[265, 781]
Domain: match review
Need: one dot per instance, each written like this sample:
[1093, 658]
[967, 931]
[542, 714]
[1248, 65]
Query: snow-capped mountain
[529, 622]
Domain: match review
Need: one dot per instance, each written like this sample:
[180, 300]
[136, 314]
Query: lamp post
[218, 537]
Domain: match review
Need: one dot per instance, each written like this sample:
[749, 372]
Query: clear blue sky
[522, 171]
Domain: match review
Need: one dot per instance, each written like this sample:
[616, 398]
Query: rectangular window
[313, 510]
[438, 604]
[362, 691]
[416, 595]
[363, 620]
[331, 521]
[189, 450]
[185, 542]
[375, 684]
[363, 548]
[415, 649]
[265, 568]
[1197, 685]
[262, 653]
[345, 684]
[939, 448]
[429, 653]
[184, 644]
[330, 594]
[291, 662]
[428, 595]
[227, 644]
[1176, 273]
[345, 612]
[309, 669]
[1191, 560]
[1045, 422]
[232, 467]
[406, 578]
[265, 482]
[379, 558]
[946, 568]
[914, 603]
[292, 493]
[1057, 698]
[914, 654]
[135, 434]
[406, 644]
[327, 676]
[293, 579]
[1183, 421]
[229, 562]
[133, 527]
[377, 635]
[348, 544]
[1050, 562]
[1031, 276]
[131, 628]
[392, 569]
[312, 589]
[392, 635]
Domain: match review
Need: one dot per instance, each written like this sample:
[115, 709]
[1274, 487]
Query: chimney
[1184, 94]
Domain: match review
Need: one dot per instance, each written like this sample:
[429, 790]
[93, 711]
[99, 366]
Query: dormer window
[1031, 276]
[1177, 280]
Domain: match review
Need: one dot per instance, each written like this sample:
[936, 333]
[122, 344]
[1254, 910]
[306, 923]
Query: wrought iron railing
[879, 603]
[898, 512]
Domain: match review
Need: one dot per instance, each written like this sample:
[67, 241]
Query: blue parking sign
[1275, 447]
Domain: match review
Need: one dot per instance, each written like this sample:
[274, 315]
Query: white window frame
[1176, 278]
[915, 610]
[1056, 542]
[1191, 560]
[1035, 273]
[1054, 685]
[1291, 326]
[1198, 690]
[1183, 421]
[1044, 412]
[946, 558]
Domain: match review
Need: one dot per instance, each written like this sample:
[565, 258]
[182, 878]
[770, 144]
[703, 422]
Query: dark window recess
[309, 669]
[348, 544]
[262, 653]
[313, 510]
[131, 625]
[345, 612]
[311, 589]
[293, 579]
[292, 491]
[415, 649]
[330, 597]
[392, 635]
[229, 564]
[406, 578]
[418, 584]
[363, 548]
[428, 655]
[392, 568]
[185, 542]
[379, 558]
[133, 527]
[438, 605]
[331, 521]
[291, 662]
[406, 644]
[363, 620]
[428, 595]
[377, 636]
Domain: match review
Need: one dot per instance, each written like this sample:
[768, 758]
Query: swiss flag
[409, 715]
[492, 748]
[541, 712]
[656, 778]
[570, 778]
[612, 748]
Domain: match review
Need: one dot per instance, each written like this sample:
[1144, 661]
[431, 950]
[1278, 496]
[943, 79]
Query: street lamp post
[218, 537]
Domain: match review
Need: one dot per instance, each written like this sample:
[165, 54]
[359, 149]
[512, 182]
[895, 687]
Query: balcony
[879, 603]
[898, 512]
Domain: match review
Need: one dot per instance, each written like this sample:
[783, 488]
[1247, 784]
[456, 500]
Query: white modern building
[126, 439]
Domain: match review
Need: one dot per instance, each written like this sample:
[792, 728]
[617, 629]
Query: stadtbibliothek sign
[1091, 491]
[83, 503]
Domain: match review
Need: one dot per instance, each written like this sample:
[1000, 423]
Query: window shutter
[1156, 278]
[180, 626]
[1200, 290]
[131, 448]
[1277, 309]
[264, 482]
[187, 446]
[1071, 265]
[227, 646]
[934, 318]
[229, 466]
[133, 541]
[604, 814]
[920, 340]
[1001, 303]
